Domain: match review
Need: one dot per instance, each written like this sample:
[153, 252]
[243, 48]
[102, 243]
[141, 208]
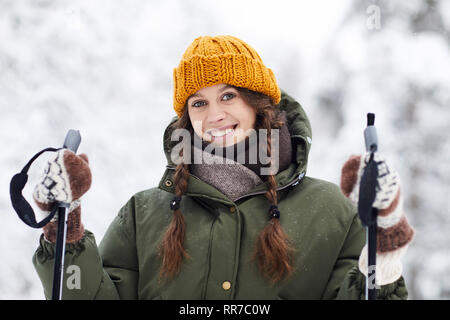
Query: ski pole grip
[72, 140]
[370, 134]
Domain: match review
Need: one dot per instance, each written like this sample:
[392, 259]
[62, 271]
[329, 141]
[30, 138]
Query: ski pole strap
[368, 193]
[20, 204]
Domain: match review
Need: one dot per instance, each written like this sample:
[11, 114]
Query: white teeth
[218, 134]
[221, 133]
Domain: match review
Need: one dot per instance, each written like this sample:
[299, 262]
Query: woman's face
[220, 115]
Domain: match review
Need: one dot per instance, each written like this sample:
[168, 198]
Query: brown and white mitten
[393, 230]
[65, 179]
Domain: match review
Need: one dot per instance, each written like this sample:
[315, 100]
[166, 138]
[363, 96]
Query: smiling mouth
[222, 134]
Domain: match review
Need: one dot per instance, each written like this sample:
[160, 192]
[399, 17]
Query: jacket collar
[300, 132]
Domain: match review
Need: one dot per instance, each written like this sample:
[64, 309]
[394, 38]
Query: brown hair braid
[272, 249]
[171, 247]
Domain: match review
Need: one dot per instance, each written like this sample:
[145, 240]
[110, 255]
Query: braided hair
[273, 249]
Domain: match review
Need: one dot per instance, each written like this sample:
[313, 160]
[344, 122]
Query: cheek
[247, 118]
[197, 123]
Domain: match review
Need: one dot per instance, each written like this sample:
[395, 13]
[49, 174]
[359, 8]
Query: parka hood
[301, 138]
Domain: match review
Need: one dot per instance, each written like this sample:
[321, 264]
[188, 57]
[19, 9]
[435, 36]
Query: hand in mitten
[393, 230]
[65, 179]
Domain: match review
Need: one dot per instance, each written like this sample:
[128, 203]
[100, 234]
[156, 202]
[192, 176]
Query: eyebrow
[225, 87]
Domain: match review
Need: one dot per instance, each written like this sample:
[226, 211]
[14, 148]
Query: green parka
[220, 237]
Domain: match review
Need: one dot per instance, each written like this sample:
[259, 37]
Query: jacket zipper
[294, 181]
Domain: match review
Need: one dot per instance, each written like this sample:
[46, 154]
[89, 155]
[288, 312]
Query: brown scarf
[228, 172]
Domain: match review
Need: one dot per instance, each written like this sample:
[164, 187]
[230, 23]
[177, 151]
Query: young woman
[234, 216]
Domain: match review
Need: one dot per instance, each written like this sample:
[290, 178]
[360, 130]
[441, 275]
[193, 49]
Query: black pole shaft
[370, 215]
[71, 142]
[58, 268]
[372, 254]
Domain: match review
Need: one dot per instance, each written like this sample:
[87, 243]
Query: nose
[215, 113]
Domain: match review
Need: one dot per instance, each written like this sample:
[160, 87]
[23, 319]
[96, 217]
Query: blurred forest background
[104, 67]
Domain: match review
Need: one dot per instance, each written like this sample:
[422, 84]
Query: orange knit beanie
[221, 59]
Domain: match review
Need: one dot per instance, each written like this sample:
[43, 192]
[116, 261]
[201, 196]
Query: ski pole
[71, 142]
[368, 214]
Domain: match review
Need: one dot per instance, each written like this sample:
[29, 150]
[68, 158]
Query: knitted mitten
[65, 179]
[393, 230]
